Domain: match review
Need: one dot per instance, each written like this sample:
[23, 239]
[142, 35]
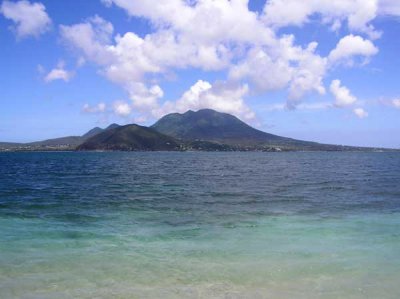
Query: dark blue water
[200, 225]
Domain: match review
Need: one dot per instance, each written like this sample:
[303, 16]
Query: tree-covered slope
[210, 125]
[131, 138]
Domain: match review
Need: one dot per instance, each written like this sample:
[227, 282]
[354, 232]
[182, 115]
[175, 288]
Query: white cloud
[30, 19]
[342, 94]
[393, 102]
[285, 66]
[221, 96]
[58, 73]
[264, 72]
[360, 113]
[131, 58]
[203, 22]
[145, 98]
[396, 103]
[357, 14]
[308, 75]
[125, 63]
[344, 99]
[122, 108]
[119, 108]
[389, 7]
[351, 46]
[99, 108]
[207, 35]
[91, 38]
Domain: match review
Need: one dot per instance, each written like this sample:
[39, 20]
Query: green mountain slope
[210, 125]
[204, 130]
[92, 132]
[69, 141]
[131, 138]
[97, 130]
[62, 143]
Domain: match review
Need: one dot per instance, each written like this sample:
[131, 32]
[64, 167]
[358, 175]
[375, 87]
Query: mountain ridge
[130, 138]
[61, 143]
[223, 128]
[202, 130]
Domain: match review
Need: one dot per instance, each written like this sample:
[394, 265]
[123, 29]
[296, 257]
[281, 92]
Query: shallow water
[199, 225]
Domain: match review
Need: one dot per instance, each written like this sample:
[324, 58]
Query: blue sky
[321, 70]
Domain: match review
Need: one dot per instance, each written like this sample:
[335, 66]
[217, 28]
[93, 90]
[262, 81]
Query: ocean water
[200, 225]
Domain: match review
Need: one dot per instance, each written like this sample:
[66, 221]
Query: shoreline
[204, 151]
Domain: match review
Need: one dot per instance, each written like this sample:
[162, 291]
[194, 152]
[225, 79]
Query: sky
[319, 70]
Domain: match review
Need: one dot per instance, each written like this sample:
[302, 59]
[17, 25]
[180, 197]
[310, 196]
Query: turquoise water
[199, 225]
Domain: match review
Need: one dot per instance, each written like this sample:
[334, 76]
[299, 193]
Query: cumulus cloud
[90, 38]
[202, 22]
[287, 65]
[344, 98]
[125, 63]
[342, 94]
[308, 74]
[119, 108]
[122, 109]
[58, 73]
[352, 46]
[254, 67]
[99, 108]
[206, 35]
[145, 98]
[221, 96]
[30, 19]
[277, 63]
[360, 113]
[357, 14]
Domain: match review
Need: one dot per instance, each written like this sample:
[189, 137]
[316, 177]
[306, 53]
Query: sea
[200, 225]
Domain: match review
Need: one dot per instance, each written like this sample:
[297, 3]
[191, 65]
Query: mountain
[69, 141]
[112, 126]
[210, 125]
[97, 130]
[223, 128]
[62, 143]
[131, 138]
[9, 145]
[204, 130]
[92, 132]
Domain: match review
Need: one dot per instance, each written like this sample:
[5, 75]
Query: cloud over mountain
[252, 54]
